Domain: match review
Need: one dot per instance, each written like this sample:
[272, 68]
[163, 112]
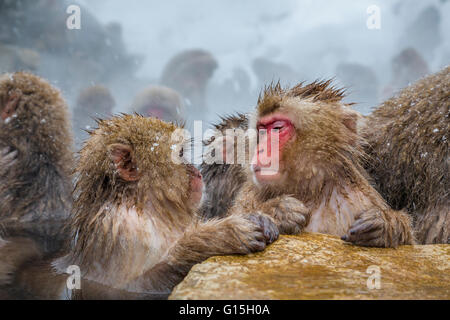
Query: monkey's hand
[378, 228]
[253, 232]
[290, 214]
[235, 234]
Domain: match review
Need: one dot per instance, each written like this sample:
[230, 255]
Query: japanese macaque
[313, 180]
[408, 141]
[92, 102]
[35, 161]
[222, 180]
[134, 221]
[160, 102]
[189, 72]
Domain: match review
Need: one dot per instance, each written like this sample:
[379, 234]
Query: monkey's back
[35, 190]
[408, 138]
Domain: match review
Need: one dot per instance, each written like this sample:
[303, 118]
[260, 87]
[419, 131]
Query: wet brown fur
[138, 238]
[408, 138]
[35, 189]
[324, 181]
[222, 181]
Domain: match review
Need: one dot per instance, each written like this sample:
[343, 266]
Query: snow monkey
[135, 233]
[320, 185]
[160, 102]
[35, 163]
[408, 139]
[93, 102]
[222, 181]
[35, 160]
[188, 73]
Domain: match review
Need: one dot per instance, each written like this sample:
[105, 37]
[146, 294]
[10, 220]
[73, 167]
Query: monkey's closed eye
[278, 125]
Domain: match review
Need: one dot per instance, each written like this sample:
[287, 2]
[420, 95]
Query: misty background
[126, 46]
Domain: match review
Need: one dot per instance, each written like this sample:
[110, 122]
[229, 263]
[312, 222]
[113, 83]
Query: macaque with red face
[134, 226]
[160, 102]
[307, 174]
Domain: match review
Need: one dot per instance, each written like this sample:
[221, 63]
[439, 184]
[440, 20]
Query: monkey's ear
[122, 157]
[11, 105]
[350, 119]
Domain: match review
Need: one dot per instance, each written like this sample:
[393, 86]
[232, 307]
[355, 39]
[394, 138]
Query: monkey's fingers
[256, 246]
[293, 224]
[299, 219]
[363, 230]
[266, 231]
[365, 226]
[291, 204]
[271, 232]
[291, 215]
[368, 239]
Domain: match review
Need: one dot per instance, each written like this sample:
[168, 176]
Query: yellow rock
[316, 266]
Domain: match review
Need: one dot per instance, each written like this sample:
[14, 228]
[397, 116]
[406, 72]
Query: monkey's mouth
[265, 174]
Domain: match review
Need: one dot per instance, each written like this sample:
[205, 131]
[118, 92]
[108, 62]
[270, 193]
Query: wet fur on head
[272, 95]
[327, 149]
[40, 113]
[161, 182]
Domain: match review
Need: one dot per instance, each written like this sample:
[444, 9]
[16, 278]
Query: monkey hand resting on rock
[134, 228]
[320, 184]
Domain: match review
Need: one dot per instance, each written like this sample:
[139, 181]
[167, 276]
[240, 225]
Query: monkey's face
[275, 131]
[300, 141]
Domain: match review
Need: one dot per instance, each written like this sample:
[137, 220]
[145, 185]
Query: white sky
[237, 31]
